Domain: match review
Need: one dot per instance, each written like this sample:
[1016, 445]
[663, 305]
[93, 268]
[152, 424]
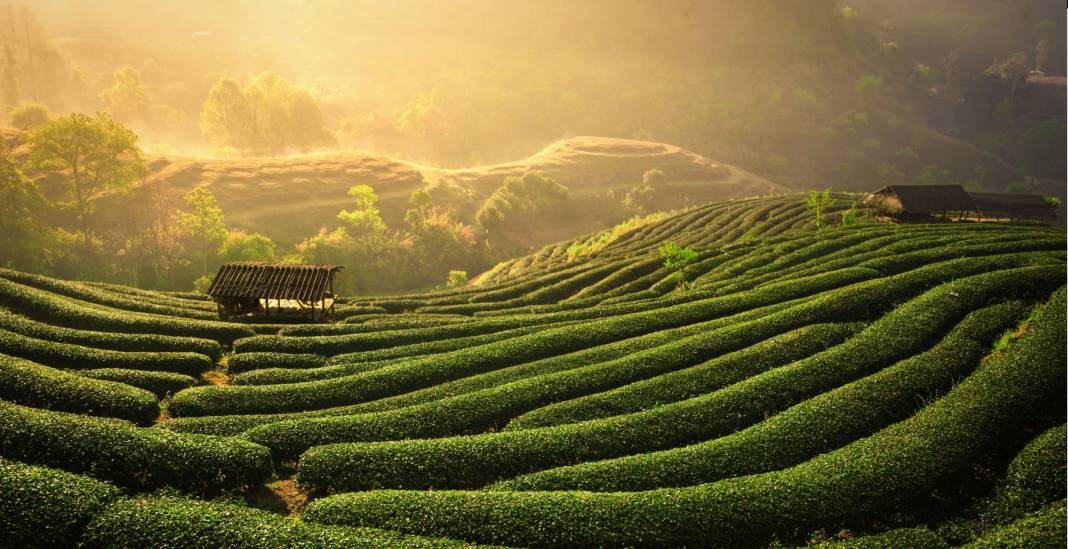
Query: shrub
[246, 362]
[1044, 528]
[118, 451]
[106, 340]
[63, 355]
[44, 507]
[62, 311]
[675, 256]
[158, 383]
[41, 386]
[489, 457]
[457, 279]
[905, 459]
[171, 521]
[800, 432]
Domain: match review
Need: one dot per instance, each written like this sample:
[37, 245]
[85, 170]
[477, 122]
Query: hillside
[871, 384]
[292, 197]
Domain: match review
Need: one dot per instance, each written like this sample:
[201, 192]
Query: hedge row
[234, 424]
[479, 410]
[118, 451]
[40, 386]
[1045, 528]
[171, 521]
[158, 383]
[550, 342]
[1035, 477]
[435, 370]
[106, 340]
[812, 427]
[67, 356]
[689, 382]
[45, 507]
[63, 311]
[480, 459]
[273, 376]
[101, 297]
[882, 471]
[247, 362]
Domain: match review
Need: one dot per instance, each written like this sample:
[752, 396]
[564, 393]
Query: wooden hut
[275, 289]
[1013, 206]
[921, 201]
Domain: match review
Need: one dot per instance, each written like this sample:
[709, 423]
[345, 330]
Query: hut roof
[251, 279]
[1015, 206]
[923, 198]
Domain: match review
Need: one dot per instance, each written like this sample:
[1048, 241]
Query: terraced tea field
[873, 385]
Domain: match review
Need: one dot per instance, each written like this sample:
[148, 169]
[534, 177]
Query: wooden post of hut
[299, 292]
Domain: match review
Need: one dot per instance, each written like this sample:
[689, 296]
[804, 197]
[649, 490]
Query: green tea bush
[107, 340]
[814, 426]
[172, 521]
[45, 507]
[489, 457]
[120, 452]
[32, 384]
[878, 472]
[1044, 528]
[62, 311]
[158, 383]
[67, 356]
[247, 362]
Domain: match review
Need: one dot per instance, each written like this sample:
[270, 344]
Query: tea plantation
[869, 385]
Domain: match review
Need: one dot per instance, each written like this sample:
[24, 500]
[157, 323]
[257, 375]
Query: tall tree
[203, 225]
[93, 155]
[23, 236]
[126, 98]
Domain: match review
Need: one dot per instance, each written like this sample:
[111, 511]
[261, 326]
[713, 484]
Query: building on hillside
[921, 201]
[275, 290]
[1013, 206]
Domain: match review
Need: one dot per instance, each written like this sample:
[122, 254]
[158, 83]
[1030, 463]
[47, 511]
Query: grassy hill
[868, 385]
[290, 198]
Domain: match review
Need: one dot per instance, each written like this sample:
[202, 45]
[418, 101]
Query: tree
[23, 236]
[457, 279]
[126, 98]
[227, 118]
[521, 199]
[10, 82]
[92, 155]
[364, 219]
[203, 226]
[1013, 69]
[675, 256]
[817, 202]
[242, 246]
[29, 116]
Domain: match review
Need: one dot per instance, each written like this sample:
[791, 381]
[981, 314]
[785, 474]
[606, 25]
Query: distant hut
[1013, 206]
[921, 201]
[275, 289]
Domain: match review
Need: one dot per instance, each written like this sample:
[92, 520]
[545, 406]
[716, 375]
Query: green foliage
[522, 199]
[25, 240]
[92, 155]
[169, 520]
[851, 216]
[33, 384]
[44, 507]
[647, 195]
[269, 115]
[202, 284]
[158, 383]
[868, 85]
[242, 246]
[1052, 201]
[30, 115]
[126, 98]
[675, 256]
[129, 456]
[817, 202]
[203, 225]
[457, 279]
[364, 219]
[933, 174]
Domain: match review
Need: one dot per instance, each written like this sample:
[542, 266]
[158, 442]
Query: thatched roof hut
[292, 290]
[1014, 206]
[921, 200]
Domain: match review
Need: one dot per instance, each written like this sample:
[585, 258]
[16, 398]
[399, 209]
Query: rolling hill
[862, 385]
[290, 198]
